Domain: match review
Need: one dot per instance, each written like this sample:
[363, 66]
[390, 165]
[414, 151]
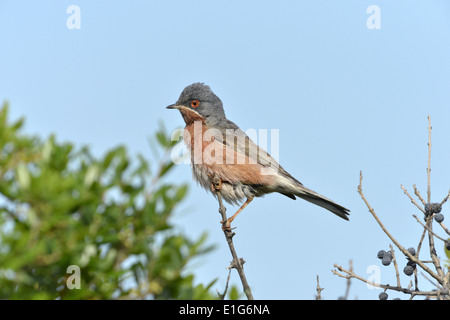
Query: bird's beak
[173, 106]
[179, 107]
[187, 113]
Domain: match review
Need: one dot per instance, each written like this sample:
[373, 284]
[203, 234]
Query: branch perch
[236, 262]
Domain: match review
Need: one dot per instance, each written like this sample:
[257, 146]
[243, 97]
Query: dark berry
[431, 208]
[387, 259]
[439, 217]
[412, 251]
[408, 270]
[411, 264]
[383, 296]
[380, 254]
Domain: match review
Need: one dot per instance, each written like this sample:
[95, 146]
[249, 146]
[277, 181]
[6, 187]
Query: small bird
[225, 159]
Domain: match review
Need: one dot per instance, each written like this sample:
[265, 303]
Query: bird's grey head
[199, 98]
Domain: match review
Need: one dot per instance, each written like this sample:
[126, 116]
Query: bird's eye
[195, 103]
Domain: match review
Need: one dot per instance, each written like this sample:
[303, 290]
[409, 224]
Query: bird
[224, 159]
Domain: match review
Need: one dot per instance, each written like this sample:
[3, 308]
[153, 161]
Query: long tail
[318, 199]
[291, 187]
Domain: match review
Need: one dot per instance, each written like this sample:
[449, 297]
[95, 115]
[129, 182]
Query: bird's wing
[235, 138]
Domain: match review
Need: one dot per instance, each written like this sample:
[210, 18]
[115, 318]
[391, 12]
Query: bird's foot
[216, 184]
[226, 225]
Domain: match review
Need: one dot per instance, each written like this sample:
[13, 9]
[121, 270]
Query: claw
[226, 225]
[216, 184]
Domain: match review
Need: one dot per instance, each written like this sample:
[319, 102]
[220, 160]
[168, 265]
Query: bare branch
[318, 290]
[397, 274]
[398, 245]
[350, 274]
[222, 295]
[412, 200]
[445, 199]
[429, 162]
[427, 228]
[434, 257]
[349, 281]
[444, 227]
[236, 263]
[417, 193]
[419, 246]
[429, 210]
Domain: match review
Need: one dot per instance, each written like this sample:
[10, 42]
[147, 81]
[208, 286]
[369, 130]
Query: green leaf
[233, 293]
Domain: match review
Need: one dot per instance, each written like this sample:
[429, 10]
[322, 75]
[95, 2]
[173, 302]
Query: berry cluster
[385, 257]
[434, 208]
[431, 208]
[410, 265]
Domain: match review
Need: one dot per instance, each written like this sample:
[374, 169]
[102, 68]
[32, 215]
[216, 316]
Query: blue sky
[344, 97]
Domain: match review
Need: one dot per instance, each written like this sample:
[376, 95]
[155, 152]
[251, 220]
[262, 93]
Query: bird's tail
[313, 197]
[295, 188]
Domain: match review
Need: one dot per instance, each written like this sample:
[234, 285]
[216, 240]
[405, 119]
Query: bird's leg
[226, 224]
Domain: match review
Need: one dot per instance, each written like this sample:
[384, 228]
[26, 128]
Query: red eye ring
[195, 103]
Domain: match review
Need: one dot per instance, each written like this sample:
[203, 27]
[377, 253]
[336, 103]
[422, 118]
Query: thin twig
[222, 295]
[349, 281]
[397, 274]
[444, 227]
[236, 263]
[427, 228]
[351, 274]
[429, 162]
[438, 287]
[445, 199]
[417, 193]
[440, 223]
[412, 200]
[318, 290]
[434, 257]
[419, 246]
[429, 221]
